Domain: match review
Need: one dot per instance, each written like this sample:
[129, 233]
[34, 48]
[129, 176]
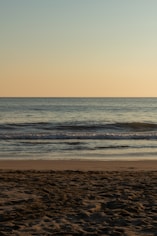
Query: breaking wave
[48, 130]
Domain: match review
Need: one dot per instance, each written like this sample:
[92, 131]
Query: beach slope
[78, 201]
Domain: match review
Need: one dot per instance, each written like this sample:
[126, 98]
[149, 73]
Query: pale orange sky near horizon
[95, 48]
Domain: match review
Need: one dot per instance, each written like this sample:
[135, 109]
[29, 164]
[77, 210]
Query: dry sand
[78, 198]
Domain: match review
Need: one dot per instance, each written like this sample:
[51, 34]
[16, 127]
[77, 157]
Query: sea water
[78, 128]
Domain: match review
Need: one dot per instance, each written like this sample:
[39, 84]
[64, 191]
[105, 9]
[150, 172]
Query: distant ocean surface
[78, 128]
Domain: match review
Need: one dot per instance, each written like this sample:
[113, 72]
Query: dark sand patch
[78, 203]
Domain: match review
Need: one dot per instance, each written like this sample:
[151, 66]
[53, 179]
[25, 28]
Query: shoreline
[78, 165]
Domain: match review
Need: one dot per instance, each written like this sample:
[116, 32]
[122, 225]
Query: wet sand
[77, 165]
[78, 198]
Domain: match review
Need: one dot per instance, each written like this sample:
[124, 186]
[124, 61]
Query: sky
[78, 48]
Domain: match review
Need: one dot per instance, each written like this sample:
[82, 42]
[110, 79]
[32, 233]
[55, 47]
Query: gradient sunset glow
[78, 48]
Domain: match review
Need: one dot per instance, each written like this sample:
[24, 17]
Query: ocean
[78, 128]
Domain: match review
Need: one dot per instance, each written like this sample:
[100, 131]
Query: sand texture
[78, 203]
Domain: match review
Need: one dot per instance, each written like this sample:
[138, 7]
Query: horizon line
[77, 97]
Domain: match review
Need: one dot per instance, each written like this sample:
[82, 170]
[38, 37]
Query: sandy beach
[78, 198]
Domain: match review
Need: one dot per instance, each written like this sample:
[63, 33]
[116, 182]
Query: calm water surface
[78, 128]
